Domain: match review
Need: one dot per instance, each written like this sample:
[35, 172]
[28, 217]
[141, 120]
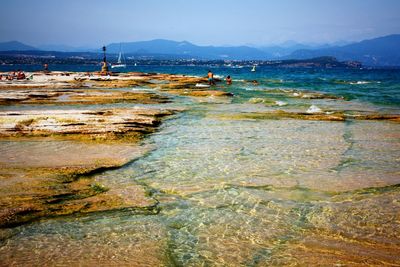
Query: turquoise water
[240, 191]
[380, 86]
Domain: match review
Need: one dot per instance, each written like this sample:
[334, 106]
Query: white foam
[251, 89]
[280, 103]
[314, 109]
[201, 85]
[360, 82]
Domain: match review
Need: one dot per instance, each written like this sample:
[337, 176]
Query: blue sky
[203, 22]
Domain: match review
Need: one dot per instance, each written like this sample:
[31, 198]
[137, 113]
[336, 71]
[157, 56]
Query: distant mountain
[188, 50]
[64, 48]
[279, 51]
[282, 50]
[15, 46]
[382, 51]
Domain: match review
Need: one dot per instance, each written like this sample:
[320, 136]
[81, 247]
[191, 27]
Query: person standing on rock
[210, 78]
[46, 68]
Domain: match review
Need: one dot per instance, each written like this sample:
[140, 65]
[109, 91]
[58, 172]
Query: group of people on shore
[19, 75]
[211, 80]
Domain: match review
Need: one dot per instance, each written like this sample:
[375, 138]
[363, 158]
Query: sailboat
[254, 68]
[121, 60]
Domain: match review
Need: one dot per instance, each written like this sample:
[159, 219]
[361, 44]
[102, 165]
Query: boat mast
[120, 54]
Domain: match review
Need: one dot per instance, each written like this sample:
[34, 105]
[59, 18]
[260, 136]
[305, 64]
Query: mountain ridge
[380, 51]
[15, 45]
[185, 48]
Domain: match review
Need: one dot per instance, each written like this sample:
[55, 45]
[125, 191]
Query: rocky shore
[55, 132]
[279, 171]
[86, 124]
[56, 129]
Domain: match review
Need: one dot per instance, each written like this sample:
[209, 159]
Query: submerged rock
[315, 115]
[276, 115]
[43, 158]
[200, 93]
[47, 180]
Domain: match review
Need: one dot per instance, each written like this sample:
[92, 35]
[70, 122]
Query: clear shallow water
[234, 191]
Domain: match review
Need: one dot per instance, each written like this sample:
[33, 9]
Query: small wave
[251, 89]
[314, 109]
[274, 81]
[280, 103]
[202, 85]
[360, 82]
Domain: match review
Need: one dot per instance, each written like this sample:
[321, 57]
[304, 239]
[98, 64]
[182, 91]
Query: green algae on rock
[53, 179]
[321, 116]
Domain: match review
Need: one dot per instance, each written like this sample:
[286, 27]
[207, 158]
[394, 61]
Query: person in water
[210, 78]
[228, 80]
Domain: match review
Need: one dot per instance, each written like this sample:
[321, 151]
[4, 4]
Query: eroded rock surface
[77, 97]
[57, 82]
[88, 124]
[44, 178]
[319, 116]
[48, 154]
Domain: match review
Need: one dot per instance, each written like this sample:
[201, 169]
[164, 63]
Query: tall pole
[104, 52]
[104, 68]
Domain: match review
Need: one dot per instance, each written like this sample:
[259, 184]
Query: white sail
[121, 60]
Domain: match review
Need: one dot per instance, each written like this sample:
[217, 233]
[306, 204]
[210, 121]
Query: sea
[237, 187]
[374, 85]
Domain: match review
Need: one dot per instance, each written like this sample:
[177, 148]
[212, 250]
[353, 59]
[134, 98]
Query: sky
[93, 23]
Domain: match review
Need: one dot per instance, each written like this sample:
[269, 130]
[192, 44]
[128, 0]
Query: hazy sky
[203, 22]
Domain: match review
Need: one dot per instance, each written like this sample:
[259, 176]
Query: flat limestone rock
[48, 155]
[77, 80]
[41, 167]
[199, 93]
[50, 180]
[78, 97]
[103, 123]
